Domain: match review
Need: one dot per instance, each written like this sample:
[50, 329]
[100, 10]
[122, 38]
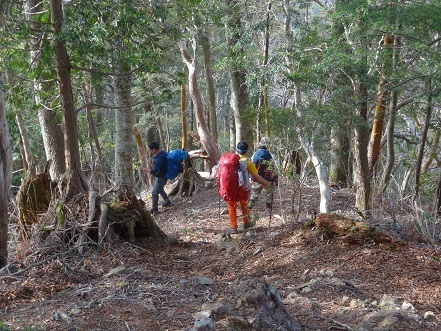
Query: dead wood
[352, 231]
[33, 199]
[187, 184]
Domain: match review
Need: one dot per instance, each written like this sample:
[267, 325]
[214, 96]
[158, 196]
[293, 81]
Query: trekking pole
[271, 213]
[271, 208]
[282, 211]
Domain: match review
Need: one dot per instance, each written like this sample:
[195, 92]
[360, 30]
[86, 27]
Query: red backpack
[228, 178]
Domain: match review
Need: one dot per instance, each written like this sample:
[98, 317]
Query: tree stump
[33, 199]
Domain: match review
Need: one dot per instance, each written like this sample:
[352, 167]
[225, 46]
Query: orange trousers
[232, 206]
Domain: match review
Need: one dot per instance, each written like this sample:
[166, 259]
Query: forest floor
[155, 286]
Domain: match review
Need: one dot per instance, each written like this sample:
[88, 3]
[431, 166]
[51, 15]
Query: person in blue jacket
[264, 162]
[158, 171]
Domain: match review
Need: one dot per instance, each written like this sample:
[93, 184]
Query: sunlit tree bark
[380, 108]
[204, 133]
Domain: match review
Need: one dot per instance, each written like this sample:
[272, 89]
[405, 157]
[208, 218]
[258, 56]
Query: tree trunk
[362, 175]
[28, 162]
[142, 154]
[320, 169]
[51, 129]
[97, 166]
[5, 177]
[437, 199]
[433, 151]
[124, 135]
[210, 86]
[240, 100]
[265, 63]
[184, 127]
[206, 139]
[339, 155]
[160, 128]
[380, 108]
[325, 193]
[423, 142]
[390, 161]
[73, 183]
[231, 129]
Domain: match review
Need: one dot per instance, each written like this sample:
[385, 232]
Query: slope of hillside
[325, 283]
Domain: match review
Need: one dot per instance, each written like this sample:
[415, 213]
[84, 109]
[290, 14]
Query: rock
[389, 302]
[429, 316]
[384, 320]
[251, 304]
[204, 324]
[205, 280]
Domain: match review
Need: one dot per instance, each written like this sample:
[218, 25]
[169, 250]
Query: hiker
[242, 193]
[264, 162]
[159, 170]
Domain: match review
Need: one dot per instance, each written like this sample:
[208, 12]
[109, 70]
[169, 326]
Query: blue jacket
[159, 164]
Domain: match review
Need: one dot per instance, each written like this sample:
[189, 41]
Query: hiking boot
[167, 203]
[154, 211]
[247, 226]
[232, 230]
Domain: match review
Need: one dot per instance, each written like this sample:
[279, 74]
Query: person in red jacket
[242, 149]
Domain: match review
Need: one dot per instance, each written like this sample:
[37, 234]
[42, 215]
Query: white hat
[264, 142]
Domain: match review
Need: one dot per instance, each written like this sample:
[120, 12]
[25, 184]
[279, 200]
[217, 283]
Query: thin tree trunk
[206, 139]
[320, 169]
[210, 86]
[231, 129]
[423, 142]
[159, 124]
[142, 152]
[325, 193]
[380, 108]
[437, 199]
[390, 161]
[5, 177]
[240, 100]
[265, 63]
[26, 141]
[434, 148]
[98, 169]
[184, 115]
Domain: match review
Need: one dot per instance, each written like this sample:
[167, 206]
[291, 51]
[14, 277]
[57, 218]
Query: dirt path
[152, 286]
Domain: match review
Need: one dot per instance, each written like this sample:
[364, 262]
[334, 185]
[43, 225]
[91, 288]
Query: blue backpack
[175, 166]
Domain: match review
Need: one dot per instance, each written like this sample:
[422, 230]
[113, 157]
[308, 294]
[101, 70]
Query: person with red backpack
[234, 185]
[264, 162]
